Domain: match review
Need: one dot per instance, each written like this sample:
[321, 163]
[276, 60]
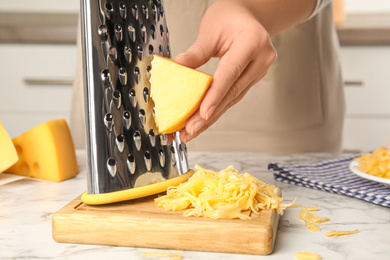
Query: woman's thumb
[195, 56]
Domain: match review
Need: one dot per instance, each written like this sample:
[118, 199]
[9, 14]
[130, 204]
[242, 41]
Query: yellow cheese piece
[8, 155]
[177, 92]
[310, 208]
[335, 233]
[295, 206]
[222, 195]
[311, 219]
[312, 227]
[307, 256]
[46, 152]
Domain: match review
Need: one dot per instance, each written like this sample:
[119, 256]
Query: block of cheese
[46, 152]
[8, 155]
[177, 92]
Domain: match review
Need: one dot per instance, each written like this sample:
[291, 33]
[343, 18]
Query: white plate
[354, 167]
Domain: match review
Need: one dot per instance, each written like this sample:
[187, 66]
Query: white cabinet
[366, 71]
[46, 6]
[364, 6]
[22, 105]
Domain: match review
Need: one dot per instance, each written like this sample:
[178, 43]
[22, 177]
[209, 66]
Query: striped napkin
[332, 176]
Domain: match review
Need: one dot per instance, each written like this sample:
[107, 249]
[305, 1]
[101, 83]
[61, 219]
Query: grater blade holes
[109, 121]
[146, 95]
[134, 10]
[108, 10]
[113, 54]
[173, 151]
[161, 10]
[151, 50]
[152, 31]
[127, 119]
[137, 74]
[148, 160]
[154, 12]
[122, 10]
[161, 30]
[145, 11]
[120, 143]
[103, 32]
[140, 52]
[131, 163]
[142, 117]
[152, 137]
[161, 156]
[111, 166]
[118, 32]
[143, 33]
[137, 140]
[116, 98]
[164, 139]
[132, 97]
[127, 52]
[106, 77]
[123, 76]
[131, 31]
[161, 50]
[168, 50]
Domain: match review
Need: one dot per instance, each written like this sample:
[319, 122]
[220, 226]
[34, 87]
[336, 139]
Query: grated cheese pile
[222, 195]
[376, 163]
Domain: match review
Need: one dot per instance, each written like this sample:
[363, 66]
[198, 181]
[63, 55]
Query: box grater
[124, 149]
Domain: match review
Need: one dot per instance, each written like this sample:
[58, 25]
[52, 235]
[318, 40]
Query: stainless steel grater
[123, 149]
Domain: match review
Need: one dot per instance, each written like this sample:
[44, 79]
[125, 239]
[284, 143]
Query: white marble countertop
[26, 207]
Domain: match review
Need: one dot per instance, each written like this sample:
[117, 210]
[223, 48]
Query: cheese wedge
[177, 92]
[8, 155]
[46, 152]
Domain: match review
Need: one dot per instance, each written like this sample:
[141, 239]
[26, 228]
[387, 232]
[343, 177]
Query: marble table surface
[27, 205]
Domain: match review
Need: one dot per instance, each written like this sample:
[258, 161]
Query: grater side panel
[123, 148]
[88, 68]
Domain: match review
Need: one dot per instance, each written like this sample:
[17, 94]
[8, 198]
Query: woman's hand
[230, 32]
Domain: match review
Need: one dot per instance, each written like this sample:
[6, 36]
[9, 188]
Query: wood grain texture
[140, 223]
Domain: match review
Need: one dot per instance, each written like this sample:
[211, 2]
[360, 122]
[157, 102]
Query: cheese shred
[307, 256]
[335, 233]
[311, 219]
[222, 195]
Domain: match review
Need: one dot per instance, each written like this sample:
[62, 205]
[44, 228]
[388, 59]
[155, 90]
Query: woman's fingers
[250, 76]
[245, 51]
[197, 55]
[229, 69]
[202, 124]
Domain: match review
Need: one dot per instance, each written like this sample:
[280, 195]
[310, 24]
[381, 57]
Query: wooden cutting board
[140, 223]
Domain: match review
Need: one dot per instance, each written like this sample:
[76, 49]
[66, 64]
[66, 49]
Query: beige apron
[297, 107]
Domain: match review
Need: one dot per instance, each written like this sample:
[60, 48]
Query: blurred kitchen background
[38, 62]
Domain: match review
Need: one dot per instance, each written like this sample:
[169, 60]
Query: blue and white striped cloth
[332, 176]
